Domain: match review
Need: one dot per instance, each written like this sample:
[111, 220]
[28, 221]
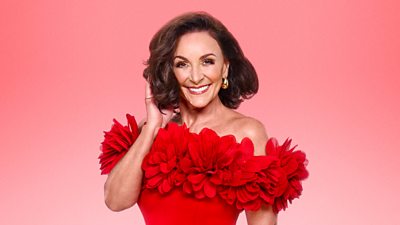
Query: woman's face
[199, 66]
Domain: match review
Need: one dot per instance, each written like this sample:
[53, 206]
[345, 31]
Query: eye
[208, 62]
[180, 64]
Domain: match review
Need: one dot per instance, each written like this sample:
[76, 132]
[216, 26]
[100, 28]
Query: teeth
[200, 89]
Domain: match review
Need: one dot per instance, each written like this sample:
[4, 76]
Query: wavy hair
[242, 77]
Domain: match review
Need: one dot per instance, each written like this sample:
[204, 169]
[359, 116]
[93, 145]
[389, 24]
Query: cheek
[214, 73]
[180, 76]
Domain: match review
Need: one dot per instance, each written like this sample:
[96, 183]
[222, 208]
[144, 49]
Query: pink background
[329, 73]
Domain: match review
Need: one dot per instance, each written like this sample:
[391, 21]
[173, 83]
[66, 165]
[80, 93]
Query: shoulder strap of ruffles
[116, 143]
[274, 179]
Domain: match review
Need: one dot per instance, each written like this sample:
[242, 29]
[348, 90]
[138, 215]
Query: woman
[196, 160]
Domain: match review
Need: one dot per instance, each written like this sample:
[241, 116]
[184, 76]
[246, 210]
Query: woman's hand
[155, 119]
[124, 183]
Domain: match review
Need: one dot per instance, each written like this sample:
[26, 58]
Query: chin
[200, 101]
[198, 104]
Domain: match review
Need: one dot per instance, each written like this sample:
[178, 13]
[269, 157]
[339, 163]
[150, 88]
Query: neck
[196, 118]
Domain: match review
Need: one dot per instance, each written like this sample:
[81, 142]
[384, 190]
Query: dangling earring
[225, 83]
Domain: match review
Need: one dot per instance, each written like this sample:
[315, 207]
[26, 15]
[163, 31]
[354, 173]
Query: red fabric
[179, 208]
[161, 169]
[116, 143]
[191, 174]
[293, 168]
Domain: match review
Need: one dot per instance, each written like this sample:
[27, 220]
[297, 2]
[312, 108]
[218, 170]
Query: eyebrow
[202, 57]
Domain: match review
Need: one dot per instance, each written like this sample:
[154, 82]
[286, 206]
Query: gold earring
[225, 83]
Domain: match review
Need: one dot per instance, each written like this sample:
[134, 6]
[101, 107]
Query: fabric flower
[239, 177]
[255, 183]
[116, 143]
[263, 189]
[293, 168]
[161, 164]
[207, 162]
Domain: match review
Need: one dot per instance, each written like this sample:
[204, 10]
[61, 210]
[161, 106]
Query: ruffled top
[208, 167]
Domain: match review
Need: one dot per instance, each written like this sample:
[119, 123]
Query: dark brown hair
[242, 77]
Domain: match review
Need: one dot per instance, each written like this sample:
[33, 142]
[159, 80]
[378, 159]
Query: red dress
[204, 178]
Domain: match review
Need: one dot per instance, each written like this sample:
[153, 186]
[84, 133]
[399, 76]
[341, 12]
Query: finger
[167, 116]
[147, 92]
[167, 113]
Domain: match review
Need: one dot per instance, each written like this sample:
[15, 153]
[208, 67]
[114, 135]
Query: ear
[225, 71]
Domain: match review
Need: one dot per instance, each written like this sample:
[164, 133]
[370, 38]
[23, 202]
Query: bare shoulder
[251, 127]
[245, 126]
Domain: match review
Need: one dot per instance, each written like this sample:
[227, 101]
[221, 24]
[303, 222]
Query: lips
[198, 90]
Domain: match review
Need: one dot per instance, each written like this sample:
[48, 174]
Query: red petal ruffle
[254, 183]
[116, 143]
[161, 165]
[293, 168]
[206, 165]
[273, 179]
[208, 162]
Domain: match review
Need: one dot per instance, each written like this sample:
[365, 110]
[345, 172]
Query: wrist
[150, 129]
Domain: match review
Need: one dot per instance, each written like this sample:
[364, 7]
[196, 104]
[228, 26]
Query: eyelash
[205, 62]
[208, 61]
[180, 64]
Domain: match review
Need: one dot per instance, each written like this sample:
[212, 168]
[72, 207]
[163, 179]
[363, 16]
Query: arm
[123, 184]
[264, 216]
[256, 132]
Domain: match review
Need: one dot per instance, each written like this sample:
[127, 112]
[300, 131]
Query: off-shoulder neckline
[207, 128]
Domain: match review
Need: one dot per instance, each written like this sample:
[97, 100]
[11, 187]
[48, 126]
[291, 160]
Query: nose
[196, 75]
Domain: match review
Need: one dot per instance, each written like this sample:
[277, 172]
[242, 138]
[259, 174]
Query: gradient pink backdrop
[329, 74]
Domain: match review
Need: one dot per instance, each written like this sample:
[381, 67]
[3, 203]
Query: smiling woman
[196, 160]
[168, 53]
[199, 67]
